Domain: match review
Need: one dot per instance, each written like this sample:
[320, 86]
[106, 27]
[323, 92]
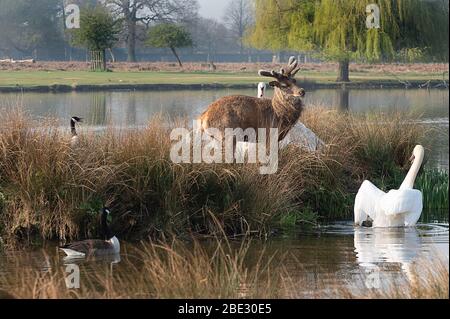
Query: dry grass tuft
[221, 270]
[52, 191]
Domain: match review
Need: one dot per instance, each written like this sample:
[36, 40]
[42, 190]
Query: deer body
[245, 112]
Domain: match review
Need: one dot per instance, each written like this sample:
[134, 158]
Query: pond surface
[338, 249]
[318, 260]
[131, 109]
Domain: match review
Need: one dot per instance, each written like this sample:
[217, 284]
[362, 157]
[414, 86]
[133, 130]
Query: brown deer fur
[282, 112]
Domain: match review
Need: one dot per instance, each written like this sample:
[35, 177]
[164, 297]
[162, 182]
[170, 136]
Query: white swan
[398, 208]
[302, 136]
[261, 90]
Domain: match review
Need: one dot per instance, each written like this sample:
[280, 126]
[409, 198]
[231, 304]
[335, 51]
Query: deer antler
[284, 74]
[273, 74]
[291, 66]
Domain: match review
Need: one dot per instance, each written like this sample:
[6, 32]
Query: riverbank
[65, 77]
[50, 191]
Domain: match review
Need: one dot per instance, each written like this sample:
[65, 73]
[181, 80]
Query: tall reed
[222, 269]
[52, 191]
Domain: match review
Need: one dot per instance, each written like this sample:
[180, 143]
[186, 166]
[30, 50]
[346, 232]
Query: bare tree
[239, 17]
[146, 12]
[211, 37]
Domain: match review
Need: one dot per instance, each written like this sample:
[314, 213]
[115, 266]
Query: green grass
[434, 185]
[73, 78]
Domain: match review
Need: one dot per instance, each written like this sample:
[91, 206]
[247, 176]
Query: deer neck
[287, 108]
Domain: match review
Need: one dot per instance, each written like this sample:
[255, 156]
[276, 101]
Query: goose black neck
[107, 233]
[72, 127]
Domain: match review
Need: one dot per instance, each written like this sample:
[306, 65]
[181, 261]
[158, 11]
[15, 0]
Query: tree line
[336, 30]
[37, 27]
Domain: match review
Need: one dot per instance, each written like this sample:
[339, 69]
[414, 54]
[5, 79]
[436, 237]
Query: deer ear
[275, 84]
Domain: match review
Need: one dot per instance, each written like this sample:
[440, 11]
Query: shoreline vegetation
[224, 270]
[50, 191]
[74, 76]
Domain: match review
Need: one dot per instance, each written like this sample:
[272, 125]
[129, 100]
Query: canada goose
[75, 139]
[398, 208]
[95, 247]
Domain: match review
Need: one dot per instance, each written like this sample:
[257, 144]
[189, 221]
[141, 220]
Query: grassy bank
[49, 190]
[69, 76]
[35, 78]
[187, 271]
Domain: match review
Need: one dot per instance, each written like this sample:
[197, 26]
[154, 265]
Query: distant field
[34, 78]
[75, 73]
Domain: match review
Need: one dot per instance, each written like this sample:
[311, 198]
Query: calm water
[129, 108]
[338, 249]
[317, 260]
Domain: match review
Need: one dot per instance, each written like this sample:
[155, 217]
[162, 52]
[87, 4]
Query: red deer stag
[246, 112]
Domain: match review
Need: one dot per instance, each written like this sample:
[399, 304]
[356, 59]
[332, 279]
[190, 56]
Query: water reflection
[394, 245]
[110, 259]
[342, 101]
[326, 257]
[135, 108]
[376, 248]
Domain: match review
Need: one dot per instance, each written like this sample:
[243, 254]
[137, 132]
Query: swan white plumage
[397, 208]
[261, 89]
[303, 136]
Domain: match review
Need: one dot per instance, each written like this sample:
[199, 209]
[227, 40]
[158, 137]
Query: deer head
[285, 79]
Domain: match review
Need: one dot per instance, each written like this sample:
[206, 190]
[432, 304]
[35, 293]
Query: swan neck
[410, 179]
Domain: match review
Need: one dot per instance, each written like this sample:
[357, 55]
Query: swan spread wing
[366, 201]
[401, 202]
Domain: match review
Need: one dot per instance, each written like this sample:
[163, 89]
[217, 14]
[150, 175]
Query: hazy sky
[213, 8]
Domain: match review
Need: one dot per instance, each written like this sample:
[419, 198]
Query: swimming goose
[398, 208]
[75, 139]
[108, 246]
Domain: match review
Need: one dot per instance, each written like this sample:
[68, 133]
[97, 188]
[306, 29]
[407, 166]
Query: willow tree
[272, 25]
[338, 28]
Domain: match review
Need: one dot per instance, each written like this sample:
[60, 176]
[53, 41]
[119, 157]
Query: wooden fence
[98, 61]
